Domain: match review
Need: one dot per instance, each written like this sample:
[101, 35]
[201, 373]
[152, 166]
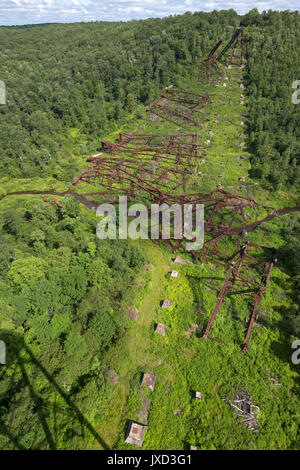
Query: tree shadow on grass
[15, 348]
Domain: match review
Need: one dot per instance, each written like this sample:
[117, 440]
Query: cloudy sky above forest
[17, 12]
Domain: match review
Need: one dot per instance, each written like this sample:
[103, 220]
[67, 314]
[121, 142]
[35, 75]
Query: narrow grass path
[135, 349]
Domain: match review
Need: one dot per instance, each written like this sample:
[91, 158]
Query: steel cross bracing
[127, 175]
[167, 141]
[209, 67]
[135, 165]
[237, 41]
[179, 107]
[124, 176]
[239, 49]
[152, 168]
[178, 153]
[246, 270]
[223, 209]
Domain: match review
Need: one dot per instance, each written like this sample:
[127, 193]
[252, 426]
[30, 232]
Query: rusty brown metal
[153, 164]
[244, 270]
[156, 168]
[179, 107]
[210, 70]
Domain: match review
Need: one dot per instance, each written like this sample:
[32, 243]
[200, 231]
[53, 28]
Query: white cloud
[16, 12]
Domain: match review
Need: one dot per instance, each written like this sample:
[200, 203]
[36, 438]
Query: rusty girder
[168, 166]
[158, 140]
[179, 106]
[238, 45]
[223, 211]
[188, 99]
[183, 146]
[210, 69]
[121, 175]
[109, 170]
[135, 177]
[246, 270]
[217, 197]
[183, 154]
[152, 181]
[139, 166]
[168, 143]
[237, 41]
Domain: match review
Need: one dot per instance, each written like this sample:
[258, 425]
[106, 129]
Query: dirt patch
[133, 313]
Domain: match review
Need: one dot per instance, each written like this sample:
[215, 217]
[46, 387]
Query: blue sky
[17, 12]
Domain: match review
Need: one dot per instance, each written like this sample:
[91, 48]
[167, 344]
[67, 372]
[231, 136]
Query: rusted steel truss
[179, 107]
[139, 179]
[183, 145]
[246, 270]
[209, 68]
[126, 175]
[152, 180]
[159, 140]
[223, 211]
[140, 163]
[238, 50]
[176, 153]
[153, 168]
[236, 43]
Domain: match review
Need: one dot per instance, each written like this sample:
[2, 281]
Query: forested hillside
[86, 77]
[273, 64]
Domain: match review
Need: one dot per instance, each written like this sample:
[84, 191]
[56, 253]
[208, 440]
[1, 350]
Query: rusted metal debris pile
[135, 433]
[250, 267]
[247, 411]
[226, 214]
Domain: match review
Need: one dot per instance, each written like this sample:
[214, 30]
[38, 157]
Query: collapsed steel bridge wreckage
[210, 69]
[138, 163]
[154, 168]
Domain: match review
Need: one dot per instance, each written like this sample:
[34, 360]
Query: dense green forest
[65, 294]
[273, 64]
[88, 76]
